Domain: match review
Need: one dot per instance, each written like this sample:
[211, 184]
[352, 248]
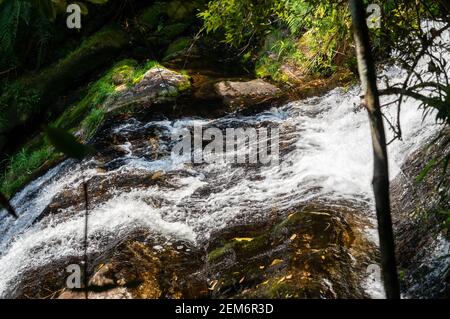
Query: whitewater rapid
[327, 154]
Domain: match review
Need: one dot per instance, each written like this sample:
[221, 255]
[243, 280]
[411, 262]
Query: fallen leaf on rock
[243, 239]
[213, 284]
[276, 262]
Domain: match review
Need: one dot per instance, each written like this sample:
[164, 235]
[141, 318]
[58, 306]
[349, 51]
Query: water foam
[330, 157]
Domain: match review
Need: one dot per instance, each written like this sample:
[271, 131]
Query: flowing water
[326, 155]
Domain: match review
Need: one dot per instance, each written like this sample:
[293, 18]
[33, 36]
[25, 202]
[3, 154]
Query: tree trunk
[381, 175]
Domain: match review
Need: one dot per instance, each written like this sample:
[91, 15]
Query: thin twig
[86, 203]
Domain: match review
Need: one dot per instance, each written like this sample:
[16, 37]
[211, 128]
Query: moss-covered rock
[90, 110]
[178, 10]
[32, 94]
[125, 84]
[168, 33]
[177, 47]
[157, 85]
[151, 16]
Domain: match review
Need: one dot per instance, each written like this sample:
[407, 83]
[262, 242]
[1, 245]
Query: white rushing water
[329, 156]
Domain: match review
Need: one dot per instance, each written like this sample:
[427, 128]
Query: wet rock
[140, 269]
[116, 293]
[422, 241]
[238, 95]
[308, 254]
[314, 252]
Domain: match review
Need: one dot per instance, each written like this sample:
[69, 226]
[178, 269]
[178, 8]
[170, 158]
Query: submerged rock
[312, 253]
[306, 255]
[244, 94]
[422, 240]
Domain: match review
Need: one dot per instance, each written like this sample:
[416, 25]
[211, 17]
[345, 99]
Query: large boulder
[157, 85]
[238, 95]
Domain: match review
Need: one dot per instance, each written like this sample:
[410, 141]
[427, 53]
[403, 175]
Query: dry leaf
[213, 284]
[276, 262]
[243, 239]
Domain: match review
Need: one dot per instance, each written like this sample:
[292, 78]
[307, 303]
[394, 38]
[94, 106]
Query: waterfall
[326, 155]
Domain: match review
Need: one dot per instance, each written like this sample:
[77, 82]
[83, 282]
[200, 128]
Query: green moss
[291, 221]
[17, 103]
[92, 122]
[88, 110]
[170, 32]
[150, 17]
[218, 253]
[242, 248]
[84, 117]
[181, 9]
[32, 94]
[177, 46]
[139, 73]
[22, 167]
[92, 53]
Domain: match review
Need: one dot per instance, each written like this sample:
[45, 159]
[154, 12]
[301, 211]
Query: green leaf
[4, 202]
[97, 1]
[425, 171]
[67, 143]
[83, 7]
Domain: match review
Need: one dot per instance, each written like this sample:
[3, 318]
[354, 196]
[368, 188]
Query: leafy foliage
[309, 34]
[66, 143]
[84, 117]
[4, 202]
[28, 27]
[22, 165]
